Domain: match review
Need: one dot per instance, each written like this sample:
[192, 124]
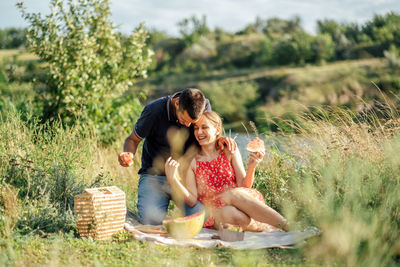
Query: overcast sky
[231, 15]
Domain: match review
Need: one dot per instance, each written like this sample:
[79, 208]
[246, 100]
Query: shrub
[232, 99]
[242, 52]
[285, 52]
[392, 57]
[89, 64]
[323, 47]
[46, 166]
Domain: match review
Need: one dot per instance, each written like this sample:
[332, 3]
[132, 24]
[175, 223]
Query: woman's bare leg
[253, 208]
[231, 215]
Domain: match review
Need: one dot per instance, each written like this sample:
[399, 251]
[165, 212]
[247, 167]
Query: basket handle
[99, 190]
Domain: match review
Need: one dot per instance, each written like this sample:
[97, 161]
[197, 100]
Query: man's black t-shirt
[152, 126]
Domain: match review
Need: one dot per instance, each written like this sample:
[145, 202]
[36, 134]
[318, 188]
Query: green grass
[340, 173]
[36, 230]
[21, 55]
[346, 183]
[66, 250]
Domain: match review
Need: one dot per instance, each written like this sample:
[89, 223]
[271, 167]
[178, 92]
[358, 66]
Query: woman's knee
[233, 195]
[232, 215]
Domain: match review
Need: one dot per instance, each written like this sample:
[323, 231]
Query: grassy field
[62, 250]
[45, 167]
[22, 55]
[346, 183]
[340, 172]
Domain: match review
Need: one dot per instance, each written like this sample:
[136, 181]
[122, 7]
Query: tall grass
[341, 173]
[43, 166]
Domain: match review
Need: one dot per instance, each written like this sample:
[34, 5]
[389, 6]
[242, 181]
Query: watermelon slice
[256, 145]
[185, 227]
[127, 159]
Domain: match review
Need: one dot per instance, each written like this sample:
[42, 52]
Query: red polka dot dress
[214, 177]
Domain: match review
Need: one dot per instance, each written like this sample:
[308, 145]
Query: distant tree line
[12, 38]
[266, 42]
[271, 42]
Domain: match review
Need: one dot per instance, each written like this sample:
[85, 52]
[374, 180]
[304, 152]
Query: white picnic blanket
[275, 239]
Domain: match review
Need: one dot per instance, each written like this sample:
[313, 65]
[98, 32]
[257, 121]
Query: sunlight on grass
[339, 173]
[338, 170]
[21, 55]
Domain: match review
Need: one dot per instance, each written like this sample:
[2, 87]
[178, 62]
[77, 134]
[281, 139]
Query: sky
[230, 15]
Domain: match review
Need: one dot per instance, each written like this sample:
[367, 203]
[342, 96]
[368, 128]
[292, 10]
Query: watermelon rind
[185, 227]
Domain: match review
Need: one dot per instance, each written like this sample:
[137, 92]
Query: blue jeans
[154, 194]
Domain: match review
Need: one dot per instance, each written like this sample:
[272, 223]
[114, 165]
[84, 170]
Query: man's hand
[171, 168]
[125, 159]
[255, 158]
[228, 143]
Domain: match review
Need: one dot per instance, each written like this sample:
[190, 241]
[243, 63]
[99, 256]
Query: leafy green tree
[222, 36]
[294, 50]
[283, 51]
[256, 27]
[232, 100]
[345, 36]
[302, 43]
[328, 26]
[192, 29]
[265, 54]
[384, 30]
[352, 31]
[90, 65]
[392, 57]
[195, 57]
[12, 38]
[276, 27]
[323, 48]
[242, 52]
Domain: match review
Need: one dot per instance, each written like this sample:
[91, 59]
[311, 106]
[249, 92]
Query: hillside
[258, 94]
[262, 94]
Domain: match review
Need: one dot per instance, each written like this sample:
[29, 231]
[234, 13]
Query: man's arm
[130, 145]
[132, 142]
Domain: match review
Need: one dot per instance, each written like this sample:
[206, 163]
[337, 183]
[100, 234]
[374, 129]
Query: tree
[384, 29]
[90, 65]
[294, 50]
[241, 97]
[12, 38]
[328, 26]
[343, 35]
[192, 29]
[323, 48]
[276, 27]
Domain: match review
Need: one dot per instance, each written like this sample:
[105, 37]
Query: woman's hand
[255, 158]
[227, 142]
[171, 168]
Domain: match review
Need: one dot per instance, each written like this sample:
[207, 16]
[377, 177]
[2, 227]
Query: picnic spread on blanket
[103, 213]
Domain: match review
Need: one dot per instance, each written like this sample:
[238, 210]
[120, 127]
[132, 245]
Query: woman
[218, 179]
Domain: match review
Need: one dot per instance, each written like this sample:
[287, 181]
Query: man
[162, 125]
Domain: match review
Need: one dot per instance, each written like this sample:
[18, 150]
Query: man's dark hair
[193, 101]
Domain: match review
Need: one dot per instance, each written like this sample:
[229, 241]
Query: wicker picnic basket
[101, 210]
